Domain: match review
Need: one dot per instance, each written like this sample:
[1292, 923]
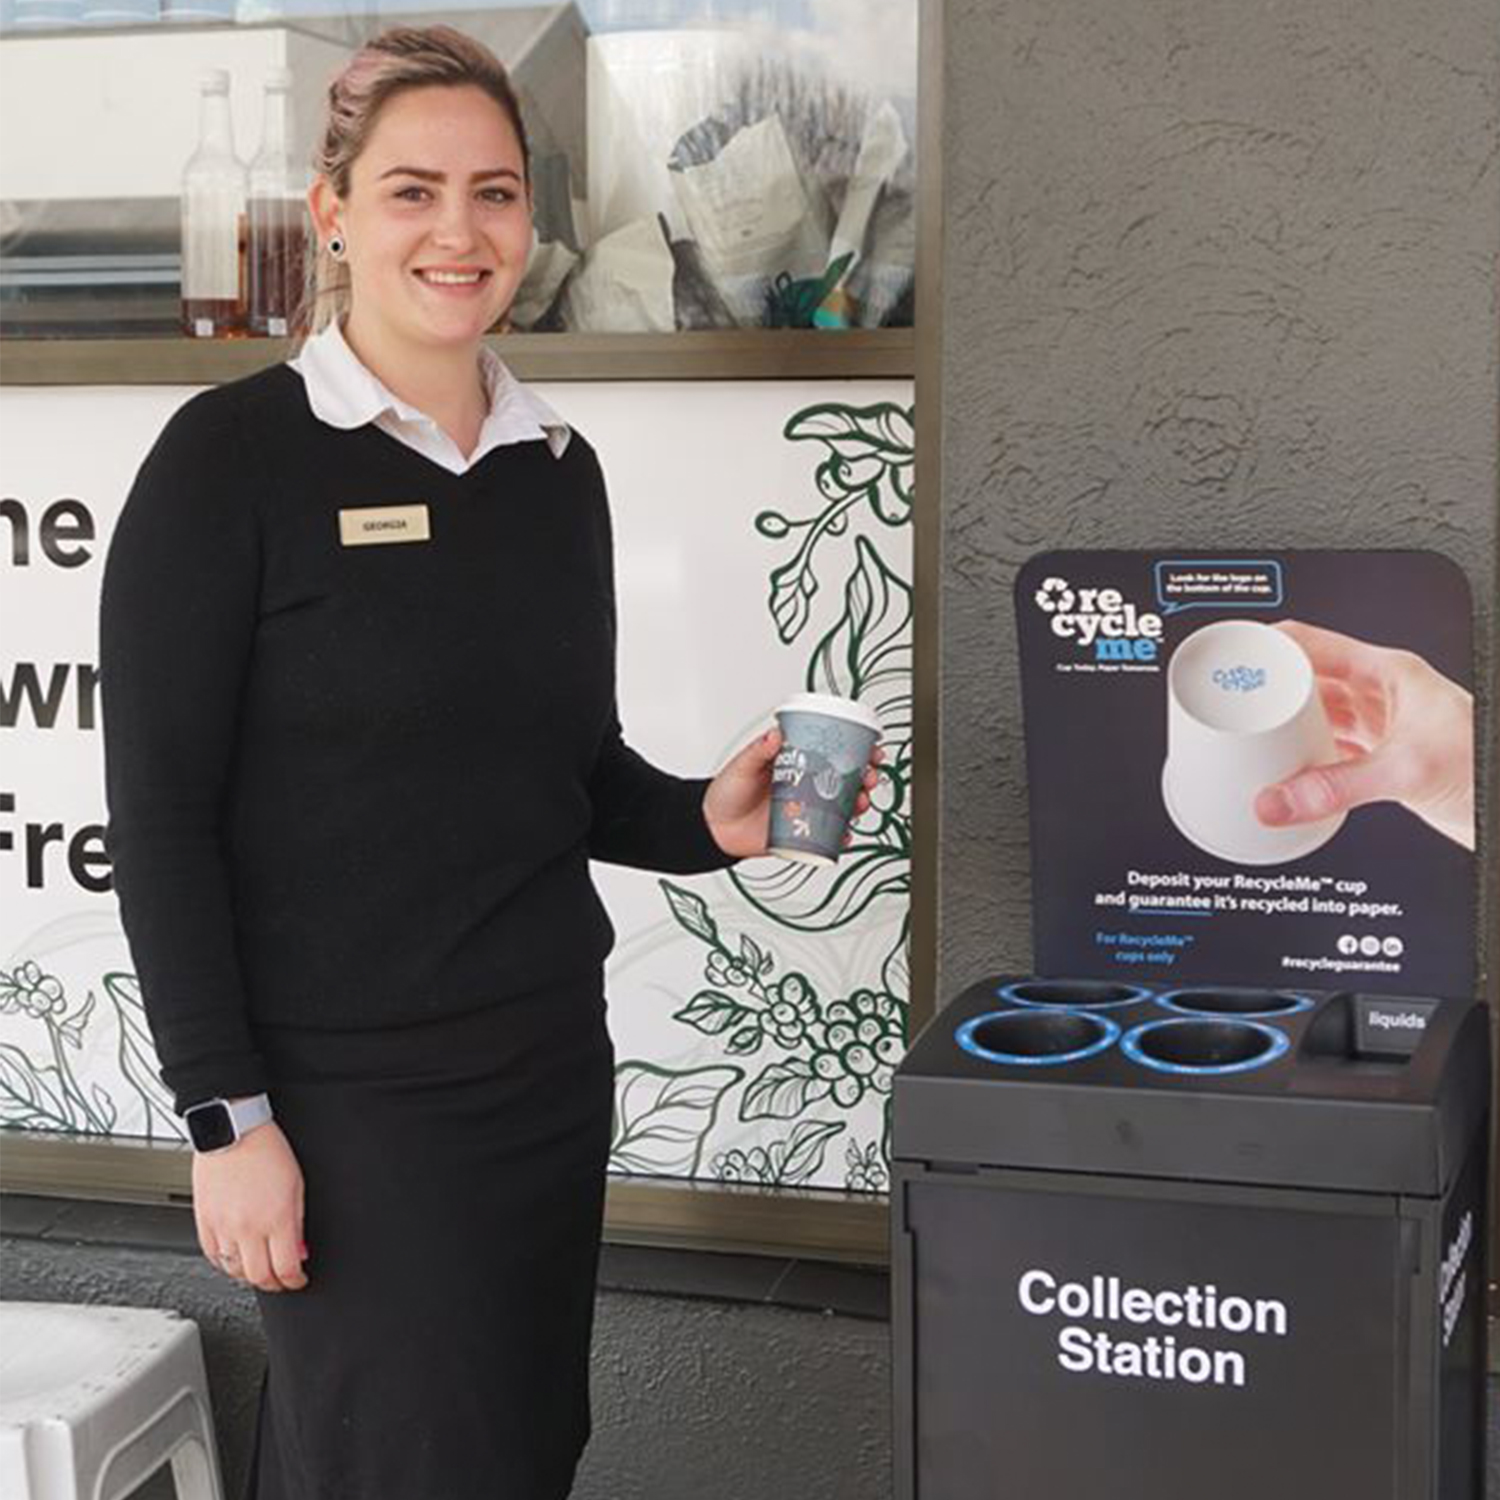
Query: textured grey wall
[736, 1402]
[691, 1398]
[1214, 274]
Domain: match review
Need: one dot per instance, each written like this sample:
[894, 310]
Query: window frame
[815, 1223]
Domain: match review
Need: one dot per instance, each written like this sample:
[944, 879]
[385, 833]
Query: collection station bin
[1162, 1245]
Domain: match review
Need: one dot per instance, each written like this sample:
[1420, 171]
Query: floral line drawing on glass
[830, 1053]
[835, 1050]
[662, 1118]
[783, 1163]
[44, 1093]
[862, 481]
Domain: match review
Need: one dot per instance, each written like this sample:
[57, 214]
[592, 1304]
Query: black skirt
[455, 1189]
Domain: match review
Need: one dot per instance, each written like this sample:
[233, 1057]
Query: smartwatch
[217, 1124]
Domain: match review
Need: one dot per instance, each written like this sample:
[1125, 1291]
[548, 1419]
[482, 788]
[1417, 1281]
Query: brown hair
[395, 62]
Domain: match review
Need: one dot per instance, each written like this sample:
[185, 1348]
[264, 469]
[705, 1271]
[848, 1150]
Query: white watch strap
[246, 1114]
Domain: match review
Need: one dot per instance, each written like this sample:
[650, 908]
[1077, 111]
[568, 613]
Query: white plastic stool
[94, 1400]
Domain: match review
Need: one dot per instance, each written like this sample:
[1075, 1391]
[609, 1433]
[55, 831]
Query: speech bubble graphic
[1220, 583]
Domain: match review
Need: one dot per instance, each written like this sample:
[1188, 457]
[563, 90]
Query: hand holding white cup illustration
[1243, 712]
[1403, 733]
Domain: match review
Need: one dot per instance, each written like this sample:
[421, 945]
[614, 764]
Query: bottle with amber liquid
[277, 217]
[213, 212]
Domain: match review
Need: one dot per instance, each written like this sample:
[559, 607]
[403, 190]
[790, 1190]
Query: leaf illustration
[755, 958]
[662, 1118]
[800, 1157]
[783, 1091]
[710, 1012]
[746, 1040]
[793, 585]
[691, 912]
[868, 652]
[138, 1057]
[895, 971]
[25, 1095]
[72, 1029]
[884, 429]
[104, 1108]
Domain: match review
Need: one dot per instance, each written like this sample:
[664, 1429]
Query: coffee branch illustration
[839, 1050]
[819, 1054]
[866, 653]
[868, 463]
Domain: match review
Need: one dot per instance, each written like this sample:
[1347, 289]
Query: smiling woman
[356, 885]
[422, 207]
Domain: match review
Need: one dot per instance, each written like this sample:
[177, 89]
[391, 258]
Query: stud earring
[336, 246]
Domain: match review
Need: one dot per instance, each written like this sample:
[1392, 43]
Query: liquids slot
[1036, 1037]
[1194, 1046]
[1374, 1034]
[1077, 994]
[1224, 1001]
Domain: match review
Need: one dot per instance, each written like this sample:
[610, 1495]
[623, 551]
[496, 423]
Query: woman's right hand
[247, 1200]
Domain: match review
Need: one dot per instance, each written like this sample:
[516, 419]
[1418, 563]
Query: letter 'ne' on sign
[383, 523]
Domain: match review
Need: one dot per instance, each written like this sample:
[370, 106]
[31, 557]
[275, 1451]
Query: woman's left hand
[737, 805]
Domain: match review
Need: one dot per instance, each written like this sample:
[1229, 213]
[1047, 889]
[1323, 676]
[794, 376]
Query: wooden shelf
[734, 354]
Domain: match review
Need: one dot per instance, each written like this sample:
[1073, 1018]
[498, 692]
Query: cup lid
[835, 707]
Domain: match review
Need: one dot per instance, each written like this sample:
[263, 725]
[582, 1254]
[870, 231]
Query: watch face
[210, 1127]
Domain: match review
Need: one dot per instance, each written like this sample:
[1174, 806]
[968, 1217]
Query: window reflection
[698, 164]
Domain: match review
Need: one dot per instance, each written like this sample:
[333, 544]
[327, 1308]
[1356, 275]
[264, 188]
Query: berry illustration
[861, 1045]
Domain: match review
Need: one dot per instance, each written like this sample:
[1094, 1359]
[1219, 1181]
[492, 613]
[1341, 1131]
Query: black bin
[1204, 1242]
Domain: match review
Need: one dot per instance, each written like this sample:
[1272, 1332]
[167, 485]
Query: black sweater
[358, 785]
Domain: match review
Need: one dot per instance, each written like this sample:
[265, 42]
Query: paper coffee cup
[826, 745]
[1243, 712]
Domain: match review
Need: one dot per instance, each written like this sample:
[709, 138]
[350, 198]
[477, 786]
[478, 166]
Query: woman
[358, 669]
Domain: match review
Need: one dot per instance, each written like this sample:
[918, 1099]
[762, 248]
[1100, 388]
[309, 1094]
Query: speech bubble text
[1229, 583]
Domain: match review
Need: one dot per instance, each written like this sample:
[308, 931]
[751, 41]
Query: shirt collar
[344, 392]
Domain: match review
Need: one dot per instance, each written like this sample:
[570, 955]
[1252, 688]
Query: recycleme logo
[1240, 679]
[1055, 596]
[1100, 621]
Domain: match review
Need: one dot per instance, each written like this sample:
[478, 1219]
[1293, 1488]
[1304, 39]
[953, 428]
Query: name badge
[383, 523]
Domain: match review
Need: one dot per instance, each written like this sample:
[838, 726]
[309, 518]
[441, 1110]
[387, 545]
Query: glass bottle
[213, 220]
[278, 227]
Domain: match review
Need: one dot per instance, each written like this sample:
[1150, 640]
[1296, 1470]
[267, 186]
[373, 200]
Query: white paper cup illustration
[826, 744]
[1243, 712]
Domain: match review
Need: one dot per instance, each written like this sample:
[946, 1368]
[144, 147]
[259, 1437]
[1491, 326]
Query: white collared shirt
[343, 392]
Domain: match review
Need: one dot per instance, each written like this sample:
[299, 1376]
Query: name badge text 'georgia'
[383, 523]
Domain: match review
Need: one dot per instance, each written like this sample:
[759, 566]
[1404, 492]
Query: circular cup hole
[1081, 994]
[1234, 1002]
[1036, 1036]
[1204, 1046]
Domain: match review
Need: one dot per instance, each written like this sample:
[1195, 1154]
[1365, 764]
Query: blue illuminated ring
[1169, 1002]
[1131, 1047]
[1139, 992]
[964, 1036]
